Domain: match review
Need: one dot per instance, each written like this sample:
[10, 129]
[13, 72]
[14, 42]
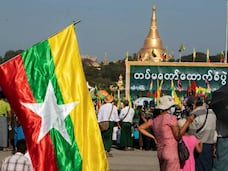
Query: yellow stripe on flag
[74, 88]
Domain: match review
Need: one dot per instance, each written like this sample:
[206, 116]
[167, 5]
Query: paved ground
[4, 154]
[136, 160]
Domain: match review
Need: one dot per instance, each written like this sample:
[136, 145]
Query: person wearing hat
[166, 133]
[108, 112]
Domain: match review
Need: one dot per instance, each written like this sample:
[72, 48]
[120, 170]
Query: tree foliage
[105, 75]
[10, 54]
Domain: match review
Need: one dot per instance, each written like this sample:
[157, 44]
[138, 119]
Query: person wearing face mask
[166, 131]
[172, 110]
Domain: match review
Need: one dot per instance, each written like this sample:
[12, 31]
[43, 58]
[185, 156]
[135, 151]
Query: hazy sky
[114, 27]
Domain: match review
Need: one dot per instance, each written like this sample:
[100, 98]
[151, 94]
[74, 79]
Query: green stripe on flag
[40, 70]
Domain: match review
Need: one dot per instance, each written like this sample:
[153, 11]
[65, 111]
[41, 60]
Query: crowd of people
[146, 127]
[11, 130]
[12, 138]
[5, 122]
[162, 125]
[123, 125]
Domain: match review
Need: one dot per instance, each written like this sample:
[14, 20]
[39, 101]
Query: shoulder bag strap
[179, 137]
[110, 113]
[199, 129]
[126, 114]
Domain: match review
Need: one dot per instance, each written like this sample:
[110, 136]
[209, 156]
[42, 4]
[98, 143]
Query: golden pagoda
[153, 49]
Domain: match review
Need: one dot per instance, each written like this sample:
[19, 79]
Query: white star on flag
[52, 115]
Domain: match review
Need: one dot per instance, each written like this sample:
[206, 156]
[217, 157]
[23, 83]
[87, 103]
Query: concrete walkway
[136, 160]
[4, 154]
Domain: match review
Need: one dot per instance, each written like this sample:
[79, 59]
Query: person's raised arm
[143, 129]
[186, 124]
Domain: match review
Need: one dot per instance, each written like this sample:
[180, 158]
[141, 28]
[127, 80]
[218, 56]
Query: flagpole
[226, 30]
[76, 22]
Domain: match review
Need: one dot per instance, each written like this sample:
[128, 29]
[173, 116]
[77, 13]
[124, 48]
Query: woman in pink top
[166, 132]
[192, 143]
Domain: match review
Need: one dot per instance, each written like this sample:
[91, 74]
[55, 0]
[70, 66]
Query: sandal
[109, 154]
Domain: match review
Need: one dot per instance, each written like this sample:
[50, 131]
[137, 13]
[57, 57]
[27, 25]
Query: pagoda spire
[153, 48]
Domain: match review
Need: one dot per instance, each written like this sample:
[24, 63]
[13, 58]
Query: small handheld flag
[194, 54]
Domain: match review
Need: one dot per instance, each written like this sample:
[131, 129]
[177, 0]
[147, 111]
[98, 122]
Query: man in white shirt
[126, 117]
[108, 112]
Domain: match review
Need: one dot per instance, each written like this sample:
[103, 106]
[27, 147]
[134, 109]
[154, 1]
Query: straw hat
[108, 98]
[165, 102]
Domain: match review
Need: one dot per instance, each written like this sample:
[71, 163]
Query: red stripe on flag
[17, 90]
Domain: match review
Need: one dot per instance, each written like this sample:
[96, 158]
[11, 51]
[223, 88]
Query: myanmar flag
[47, 90]
[172, 89]
[208, 55]
[194, 54]
[158, 91]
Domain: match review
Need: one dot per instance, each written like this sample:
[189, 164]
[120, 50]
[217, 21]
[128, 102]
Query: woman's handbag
[183, 152]
[104, 125]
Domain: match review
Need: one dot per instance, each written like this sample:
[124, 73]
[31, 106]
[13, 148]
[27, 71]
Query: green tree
[10, 54]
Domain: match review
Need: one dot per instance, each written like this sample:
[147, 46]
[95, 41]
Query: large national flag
[46, 88]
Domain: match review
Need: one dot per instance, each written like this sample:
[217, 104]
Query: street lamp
[120, 85]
